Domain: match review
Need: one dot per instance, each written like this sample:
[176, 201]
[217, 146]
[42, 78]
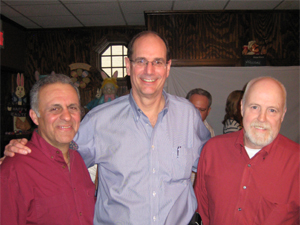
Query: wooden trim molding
[204, 62]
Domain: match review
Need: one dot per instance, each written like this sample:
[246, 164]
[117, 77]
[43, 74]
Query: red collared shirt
[40, 189]
[232, 189]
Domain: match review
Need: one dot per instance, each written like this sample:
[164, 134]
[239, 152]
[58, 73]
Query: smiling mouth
[65, 127]
[148, 80]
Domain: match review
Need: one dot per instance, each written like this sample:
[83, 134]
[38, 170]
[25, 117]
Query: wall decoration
[80, 74]
[108, 89]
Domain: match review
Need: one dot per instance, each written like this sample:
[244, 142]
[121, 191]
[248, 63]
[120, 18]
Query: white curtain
[220, 81]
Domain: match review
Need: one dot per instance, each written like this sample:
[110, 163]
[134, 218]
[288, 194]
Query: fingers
[16, 146]
[1, 159]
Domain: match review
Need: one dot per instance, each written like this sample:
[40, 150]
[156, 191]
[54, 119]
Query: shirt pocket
[182, 162]
[53, 210]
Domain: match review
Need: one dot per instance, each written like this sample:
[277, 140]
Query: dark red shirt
[39, 188]
[232, 189]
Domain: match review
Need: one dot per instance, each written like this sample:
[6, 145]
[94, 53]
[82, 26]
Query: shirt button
[154, 218]
[240, 209]
[154, 193]
[63, 166]
[57, 152]
[249, 165]
[153, 170]
[80, 213]
[244, 187]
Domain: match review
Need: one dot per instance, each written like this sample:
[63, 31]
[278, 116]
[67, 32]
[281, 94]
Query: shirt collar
[47, 149]
[137, 111]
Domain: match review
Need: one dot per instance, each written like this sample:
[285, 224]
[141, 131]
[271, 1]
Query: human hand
[17, 146]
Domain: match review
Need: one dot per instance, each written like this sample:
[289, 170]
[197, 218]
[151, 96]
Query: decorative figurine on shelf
[80, 74]
[109, 89]
[253, 48]
[19, 109]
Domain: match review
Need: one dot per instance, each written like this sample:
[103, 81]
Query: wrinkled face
[59, 110]
[263, 113]
[148, 81]
[201, 102]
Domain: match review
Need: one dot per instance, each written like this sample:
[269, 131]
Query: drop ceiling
[66, 14]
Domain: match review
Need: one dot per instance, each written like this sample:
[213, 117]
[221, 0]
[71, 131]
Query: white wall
[220, 81]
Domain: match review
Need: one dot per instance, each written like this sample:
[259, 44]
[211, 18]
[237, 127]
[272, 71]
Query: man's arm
[16, 146]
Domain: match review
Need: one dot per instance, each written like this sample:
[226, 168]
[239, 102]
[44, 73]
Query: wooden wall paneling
[219, 35]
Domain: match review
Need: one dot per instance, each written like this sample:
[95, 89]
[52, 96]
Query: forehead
[149, 46]
[58, 92]
[200, 99]
[267, 92]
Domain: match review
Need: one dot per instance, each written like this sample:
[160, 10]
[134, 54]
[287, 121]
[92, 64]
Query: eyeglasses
[141, 62]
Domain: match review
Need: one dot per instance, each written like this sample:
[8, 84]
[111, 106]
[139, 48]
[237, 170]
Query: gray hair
[251, 82]
[200, 91]
[50, 79]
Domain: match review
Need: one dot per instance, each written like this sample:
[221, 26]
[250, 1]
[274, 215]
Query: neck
[151, 107]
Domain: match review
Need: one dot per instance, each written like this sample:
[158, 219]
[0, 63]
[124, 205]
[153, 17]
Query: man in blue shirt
[145, 144]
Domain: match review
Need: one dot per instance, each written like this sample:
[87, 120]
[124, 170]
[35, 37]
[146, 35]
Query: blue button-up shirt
[144, 171]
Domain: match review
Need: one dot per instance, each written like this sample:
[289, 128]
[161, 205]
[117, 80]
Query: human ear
[34, 117]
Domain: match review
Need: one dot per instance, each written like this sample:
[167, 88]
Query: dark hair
[200, 91]
[144, 33]
[50, 79]
[233, 106]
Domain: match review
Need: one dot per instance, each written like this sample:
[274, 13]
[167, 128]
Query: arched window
[113, 59]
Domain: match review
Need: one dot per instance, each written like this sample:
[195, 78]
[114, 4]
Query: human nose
[262, 115]
[149, 67]
[65, 115]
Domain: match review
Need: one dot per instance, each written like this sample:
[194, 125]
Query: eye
[273, 110]
[158, 62]
[73, 108]
[141, 61]
[254, 107]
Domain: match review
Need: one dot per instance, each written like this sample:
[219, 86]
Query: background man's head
[263, 108]
[55, 109]
[148, 64]
[202, 100]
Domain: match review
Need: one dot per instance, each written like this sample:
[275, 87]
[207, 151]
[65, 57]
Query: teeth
[65, 127]
[148, 80]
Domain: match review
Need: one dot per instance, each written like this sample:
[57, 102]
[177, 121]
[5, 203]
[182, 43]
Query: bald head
[266, 81]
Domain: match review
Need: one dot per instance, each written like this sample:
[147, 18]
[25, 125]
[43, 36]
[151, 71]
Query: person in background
[202, 100]
[255, 177]
[51, 185]
[145, 144]
[233, 119]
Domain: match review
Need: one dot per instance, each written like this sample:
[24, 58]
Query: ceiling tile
[135, 19]
[199, 5]
[101, 20]
[23, 21]
[8, 11]
[287, 4]
[42, 10]
[56, 21]
[140, 7]
[252, 5]
[93, 8]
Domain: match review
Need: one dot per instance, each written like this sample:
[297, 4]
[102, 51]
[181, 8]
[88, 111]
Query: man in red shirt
[51, 185]
[251, 176]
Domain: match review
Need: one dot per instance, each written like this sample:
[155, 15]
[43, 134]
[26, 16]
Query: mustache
[257, 124]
